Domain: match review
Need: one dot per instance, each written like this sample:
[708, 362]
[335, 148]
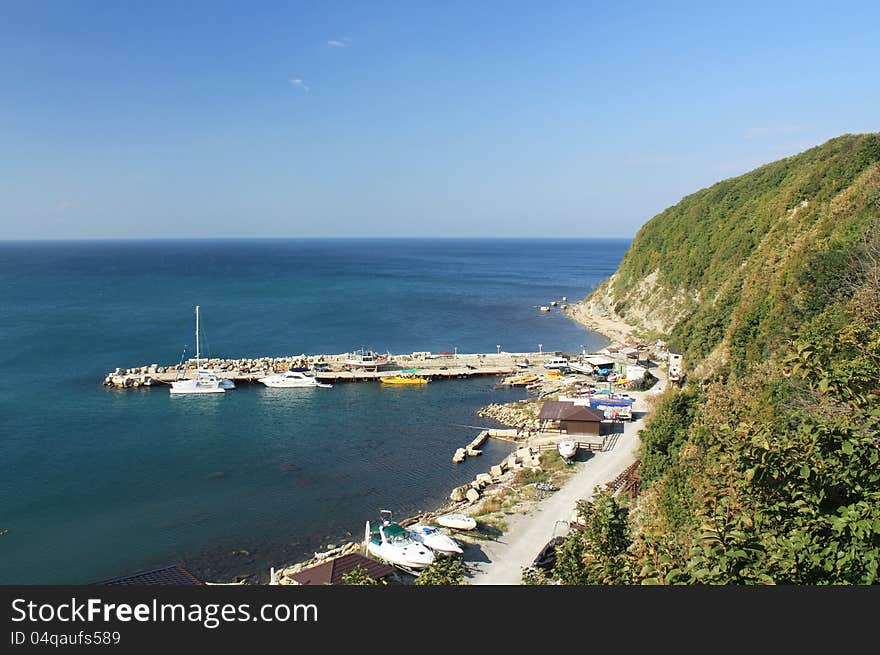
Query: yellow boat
[404, 379]
[519, 379]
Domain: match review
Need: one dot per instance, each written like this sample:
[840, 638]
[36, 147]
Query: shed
[570, 418]
[331, 572]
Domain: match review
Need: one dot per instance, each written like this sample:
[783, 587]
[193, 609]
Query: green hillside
[741, 263]
[765, 467]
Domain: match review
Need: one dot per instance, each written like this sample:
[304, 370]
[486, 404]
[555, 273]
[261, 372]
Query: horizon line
[321, 238]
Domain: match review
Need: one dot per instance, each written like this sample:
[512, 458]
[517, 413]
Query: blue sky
[222, 119]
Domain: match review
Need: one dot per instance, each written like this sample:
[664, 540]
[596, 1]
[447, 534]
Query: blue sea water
[97, 483]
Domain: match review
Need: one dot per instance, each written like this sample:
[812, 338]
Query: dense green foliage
[765, 470]
[444, 570]
[739, 264]
[359, 576]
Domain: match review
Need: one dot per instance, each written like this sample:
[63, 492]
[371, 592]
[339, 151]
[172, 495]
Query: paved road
[501, 562]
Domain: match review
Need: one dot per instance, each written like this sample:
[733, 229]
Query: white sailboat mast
[197, 338]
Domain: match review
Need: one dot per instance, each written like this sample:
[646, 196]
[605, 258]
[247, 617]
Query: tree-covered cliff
[765, 468]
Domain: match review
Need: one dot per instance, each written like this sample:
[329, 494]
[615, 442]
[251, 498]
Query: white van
[557, 363]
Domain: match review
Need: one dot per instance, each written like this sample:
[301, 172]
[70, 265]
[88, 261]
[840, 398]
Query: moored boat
[292, 379]
[404, 378]
[205, 381]
[517, 380]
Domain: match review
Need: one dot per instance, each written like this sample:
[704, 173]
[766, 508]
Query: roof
[331, 572]
[599, 360]
[168, 575]
[555, 410]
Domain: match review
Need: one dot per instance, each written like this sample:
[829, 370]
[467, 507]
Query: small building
[676, 366]
[567, 417]
[331, 572]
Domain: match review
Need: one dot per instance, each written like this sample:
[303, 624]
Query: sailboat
[205, 381]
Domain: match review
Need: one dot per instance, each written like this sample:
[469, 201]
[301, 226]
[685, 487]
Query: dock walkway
[331, 368]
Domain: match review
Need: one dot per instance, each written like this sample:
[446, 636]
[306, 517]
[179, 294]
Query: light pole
[540, 348]
[455, 351]
[497, 348]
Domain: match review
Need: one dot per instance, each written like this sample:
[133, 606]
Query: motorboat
[518, 380]
[291, 379]
[567, 448]
[407, 377]
[367, 359]
[390, 542]
[205, 381]
[457, 521]
[435, 539]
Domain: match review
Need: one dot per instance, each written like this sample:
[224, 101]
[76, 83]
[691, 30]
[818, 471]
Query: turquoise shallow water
[97, 483]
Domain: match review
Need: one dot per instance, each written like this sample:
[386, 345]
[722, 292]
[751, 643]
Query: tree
[443, 571]
[359, 576]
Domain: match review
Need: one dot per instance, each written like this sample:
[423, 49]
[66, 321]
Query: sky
[408, 119]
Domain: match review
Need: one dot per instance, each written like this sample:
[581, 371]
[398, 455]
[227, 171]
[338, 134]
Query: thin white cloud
[342, 42]
[299, 84]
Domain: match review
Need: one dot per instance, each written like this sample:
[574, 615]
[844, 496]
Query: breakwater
[331, 368]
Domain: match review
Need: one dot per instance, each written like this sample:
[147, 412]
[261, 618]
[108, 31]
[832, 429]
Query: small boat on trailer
[457, 521]
[567, 448]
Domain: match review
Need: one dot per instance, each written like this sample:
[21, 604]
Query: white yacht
[395, 545]
[205, 381]
[292, 379]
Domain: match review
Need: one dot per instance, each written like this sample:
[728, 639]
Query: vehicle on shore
[390, 542]
[558, 363]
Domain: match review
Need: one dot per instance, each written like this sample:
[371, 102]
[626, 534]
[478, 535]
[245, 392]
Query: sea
[98, 483]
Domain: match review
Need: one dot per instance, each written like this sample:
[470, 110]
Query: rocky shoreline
[503, 484]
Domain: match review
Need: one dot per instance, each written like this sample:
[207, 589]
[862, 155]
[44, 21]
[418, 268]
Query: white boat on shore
[367, 359]
[435, 539]
[390, 542]
[457, 521]
[292, 379]
[205, 381]
[567, 448]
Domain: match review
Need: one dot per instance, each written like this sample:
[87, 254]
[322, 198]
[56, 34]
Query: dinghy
[457, 521]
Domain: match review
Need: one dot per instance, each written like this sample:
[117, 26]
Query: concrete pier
[331, 368]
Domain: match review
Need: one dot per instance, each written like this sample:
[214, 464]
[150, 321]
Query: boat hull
[435, 540]
[457, 521]
[567, 448]
[192, 389]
